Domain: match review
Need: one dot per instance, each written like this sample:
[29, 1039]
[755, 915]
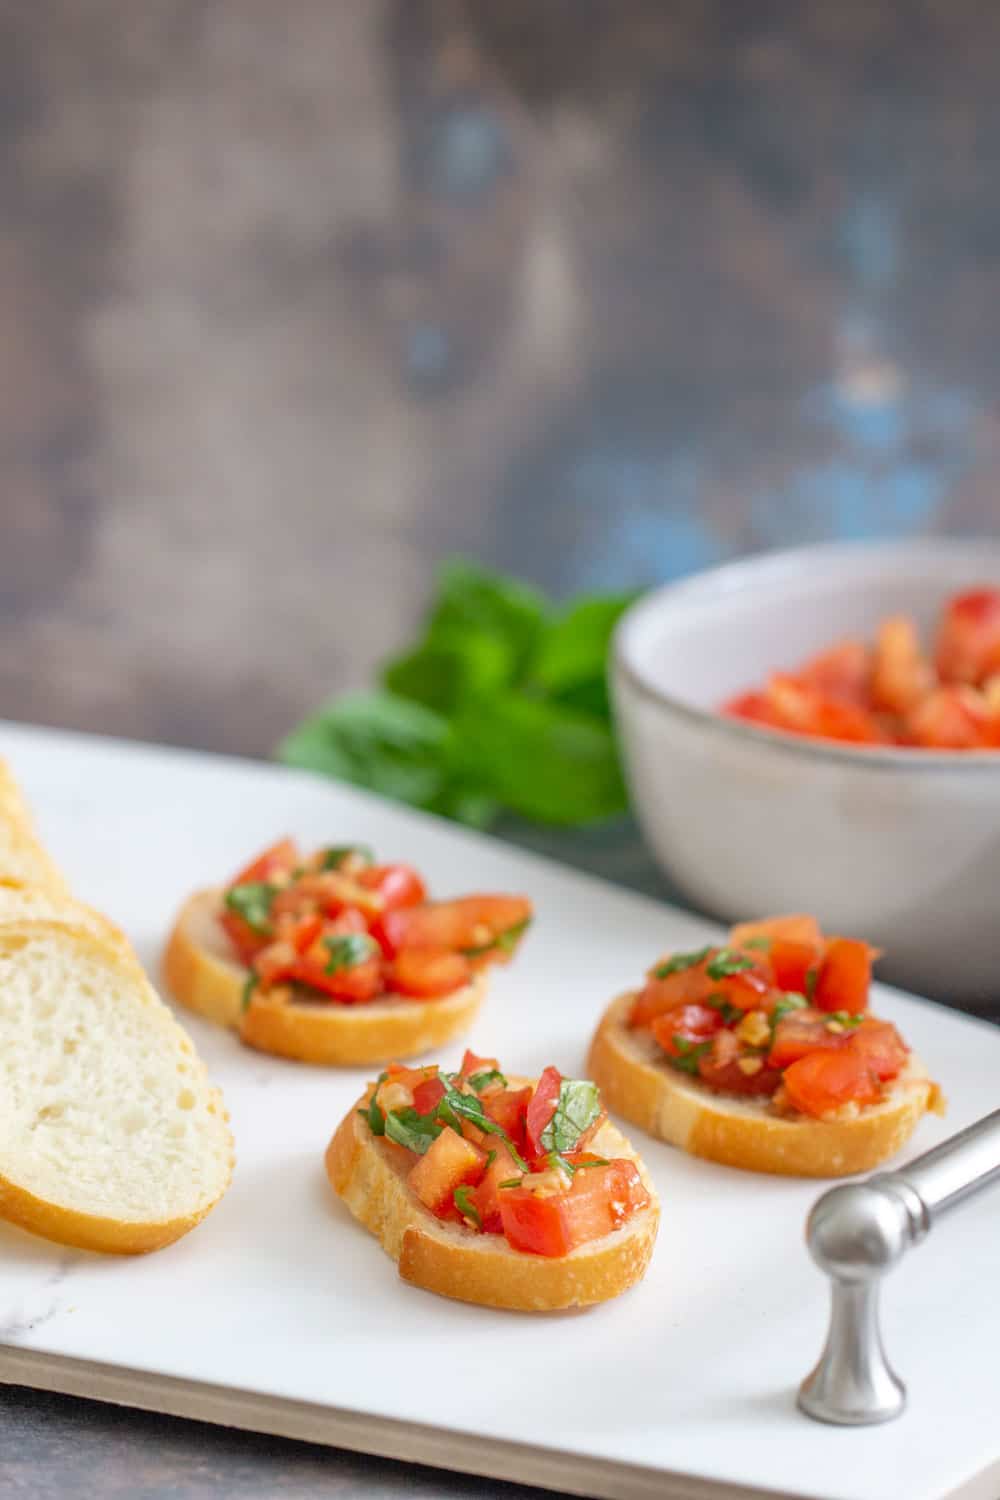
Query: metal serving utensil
[858, 1232]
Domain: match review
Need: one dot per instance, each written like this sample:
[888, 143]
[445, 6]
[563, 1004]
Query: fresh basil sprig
[480, 1081]
[688, 1054]
[678, 962]
[252, 902]
[727, 962]
[577, 1108]
[348, 950]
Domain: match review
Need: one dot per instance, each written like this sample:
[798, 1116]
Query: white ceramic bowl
[898, 846]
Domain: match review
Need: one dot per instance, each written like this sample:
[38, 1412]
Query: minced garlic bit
[754, 1029]
[749, 1065]
[837, 1027]
[480, 936]
[394, 1096]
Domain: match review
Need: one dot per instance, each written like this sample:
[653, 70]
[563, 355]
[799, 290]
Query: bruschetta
[496, 1190]
[331, 958]
[762, 1053]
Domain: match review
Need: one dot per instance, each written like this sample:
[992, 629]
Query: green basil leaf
[578, 1106]
[250, 984]
[571, 659]
[348, 950]
[252, 902]
[376, 740]
[690, 1052]
[812, 979]
[541, 760]
[510, 1182]
[469, 1107]
[462, 1197]
[727, 962]
[376, 1119]
[415, 1132]
[334, 857]
[679, 962]
[470, 598]
[480, 1081]
[845, 1017]
[729, 1013]
[456, 666]
[763, 943]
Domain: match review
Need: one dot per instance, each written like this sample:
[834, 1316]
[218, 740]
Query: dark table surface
[295, 299]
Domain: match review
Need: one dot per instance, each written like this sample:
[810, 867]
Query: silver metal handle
[855, 1234]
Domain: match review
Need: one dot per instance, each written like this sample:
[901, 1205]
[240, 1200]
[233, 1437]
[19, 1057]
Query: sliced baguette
[111, 1137]
[28, 903]
[636, 1083]
[369, 1174]
[22, 858]
[201, 974]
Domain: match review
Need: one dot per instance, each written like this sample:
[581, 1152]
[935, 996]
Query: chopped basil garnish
[680, 962]
[376, 1119]
[578, 1106]
[560, 1164]
[334, 857]
[688, 1054]
[348, 950]
[812, 978]
[785, 1004]
[491, 1157]
[598, 1161]
[415, 1132]
[480, 1081]
[506, 941]
[762, 943]
[510, 1182]
[468, 1107]
[727, 962]
[252, 902]
[845, 1017]
[252, 981]
[729, 1013]
[466, 1207]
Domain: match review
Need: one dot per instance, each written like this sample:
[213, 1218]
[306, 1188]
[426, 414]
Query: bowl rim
[741, 574]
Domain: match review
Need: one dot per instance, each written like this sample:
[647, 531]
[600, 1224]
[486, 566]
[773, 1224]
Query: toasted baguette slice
[636, 1083]
[22, 857]
[111, 1137]
[200, 973]
[454, 1261]
[28, 903]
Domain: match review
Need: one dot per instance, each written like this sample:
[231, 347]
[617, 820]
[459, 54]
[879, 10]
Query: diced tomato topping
[950, 718]
[428, 1095]
[968, 644]
[730, 1078]
[398, 885]
[429, 972]
[746, 989]
[824, 1081]
[471, 1064]
[472, 925]
[244, 939]
[449, 1162]
[882, 1047]
[842, 671]
[349, 983]
[508, 1108]
[792, 963]
[600, 1200]
[541, 1108]
[277, 860]
[797, 1035]
[503, 1168]
[659, 995]
[691, 1023]
[791, 929]
[844, 976]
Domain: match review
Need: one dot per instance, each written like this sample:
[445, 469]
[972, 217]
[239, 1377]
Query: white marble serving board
[281, 1314]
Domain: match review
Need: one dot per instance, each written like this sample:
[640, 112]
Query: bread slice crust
[201, 975]
[76, 1218]
[738, 1132]
[369, 1174]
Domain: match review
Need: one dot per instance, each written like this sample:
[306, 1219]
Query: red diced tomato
[844, 976]
[468, 925]
[745, 990]
[600, 1200]
[950, 718]
[503, 1168]
[244, 939]
[508, 1108]
[472, 1064]
[692, 1023]
[797, 1035]
[825, 1081]
[428, 1095]
[659, 995]
[842, 671]
[398, 885]
[882, 1047]
[448, 1163]
[792, 963]
[968, 644]
[276, 860]
[791, 929]
[429, 972]
[541, 1108]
